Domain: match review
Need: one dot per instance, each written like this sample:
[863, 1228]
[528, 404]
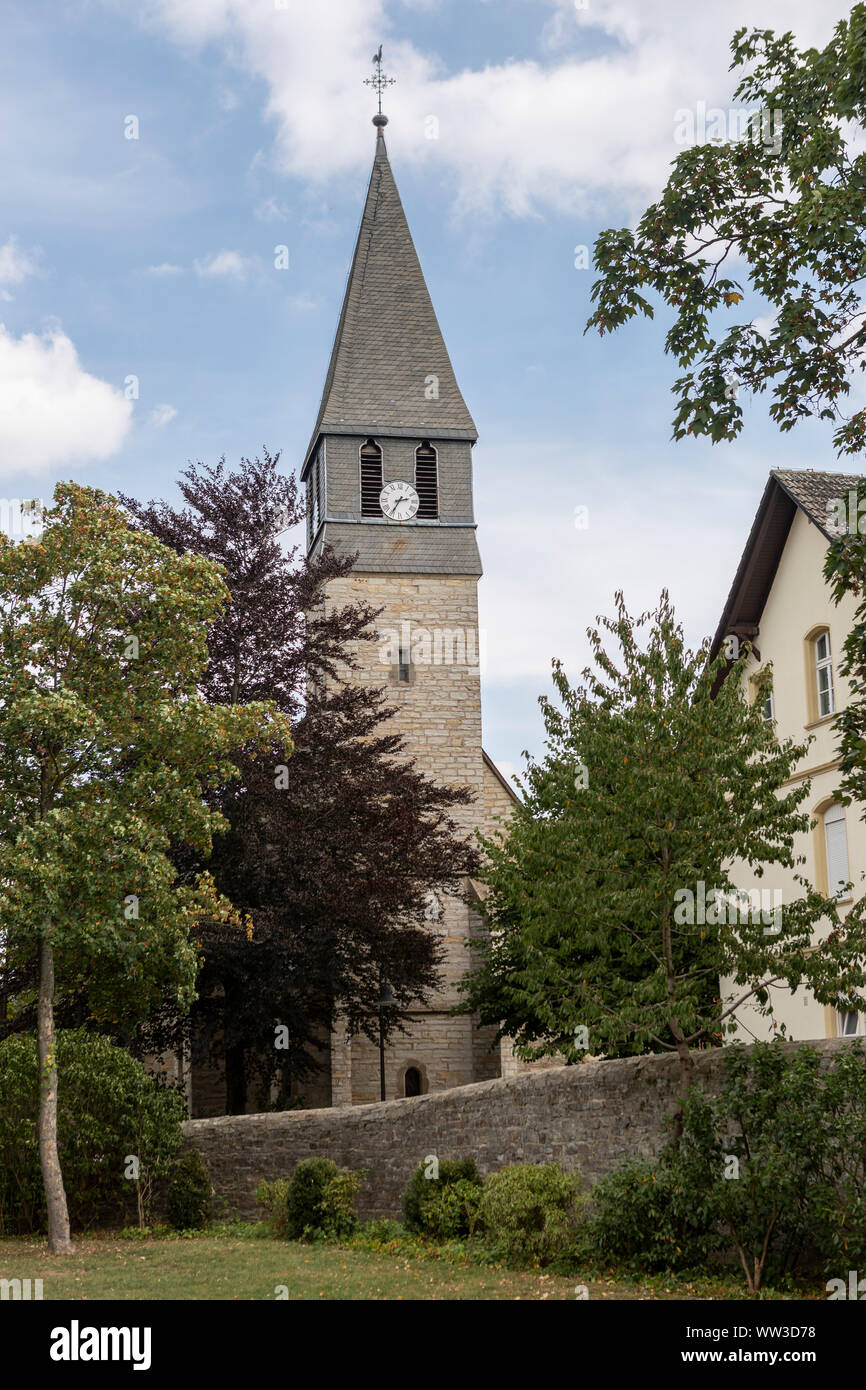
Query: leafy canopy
[656, 779]
[778, 215]
[106, 745]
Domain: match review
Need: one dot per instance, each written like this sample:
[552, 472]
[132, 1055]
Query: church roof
[786, 491]
[388, 342]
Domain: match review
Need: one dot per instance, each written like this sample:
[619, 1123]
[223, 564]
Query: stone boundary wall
[589, 1117]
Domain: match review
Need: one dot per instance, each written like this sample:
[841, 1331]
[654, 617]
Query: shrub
[642, 1217]
[428, 1206]
[189, 1199]
[338, 1204]
[771, 1172]
[530, 1211]
[108, 1110]
[320, 1200]
[271, 1197]
[836, 1212]
[797, 1134]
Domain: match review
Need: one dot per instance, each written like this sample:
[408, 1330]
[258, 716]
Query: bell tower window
[315, 495]
[427, 480]
[371, 478]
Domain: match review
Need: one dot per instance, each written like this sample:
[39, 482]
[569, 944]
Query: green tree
[106, 749]
[788, 204]
[654, 782]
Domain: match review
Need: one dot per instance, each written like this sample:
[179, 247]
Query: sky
[156, 156]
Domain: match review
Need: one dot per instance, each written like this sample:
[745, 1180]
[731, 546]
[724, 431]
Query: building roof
[388, 343]
[488, 761]
[786, 491]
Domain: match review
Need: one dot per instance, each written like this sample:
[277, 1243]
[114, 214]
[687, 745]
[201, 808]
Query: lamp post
[386, 1000]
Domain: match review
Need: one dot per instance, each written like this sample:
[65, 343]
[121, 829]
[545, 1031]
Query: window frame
[427, 445]
[823, 665]
[370, 515]
[860, 1019]
[834, 814]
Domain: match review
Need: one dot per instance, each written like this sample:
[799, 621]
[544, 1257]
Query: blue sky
[154, 258]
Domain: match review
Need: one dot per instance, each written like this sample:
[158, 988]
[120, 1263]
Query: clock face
[399, 501]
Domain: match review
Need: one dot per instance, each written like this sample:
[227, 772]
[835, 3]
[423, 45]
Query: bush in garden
[189, 1197]
[777, 1157]
[109, 1111]
[453, 1209]
[530, 1211]
[338, 1205]
[642, 1217]
[430, 1209]
[271, 1196]
[770, 1173]
[320, 1200]
[836, 1211]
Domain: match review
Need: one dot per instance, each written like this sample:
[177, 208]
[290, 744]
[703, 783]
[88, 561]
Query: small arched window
[371, 478]
[824, 674]
[412, 1081]
[427, 480]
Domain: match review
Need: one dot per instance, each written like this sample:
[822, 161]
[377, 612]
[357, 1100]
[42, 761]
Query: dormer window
[371, 478]
[427, 480]
[824, 675]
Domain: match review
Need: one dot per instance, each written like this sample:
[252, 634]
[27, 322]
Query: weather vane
[379, 81]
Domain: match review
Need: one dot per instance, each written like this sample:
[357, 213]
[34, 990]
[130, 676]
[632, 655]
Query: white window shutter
[837, 850]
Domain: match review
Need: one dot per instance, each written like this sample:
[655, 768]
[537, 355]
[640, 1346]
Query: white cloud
[230, 265]
[595, 117]
[686, 532]
[15, 266]
[52, 411]
[162, 414]
[271, 210]
[165, 269]
[302, 303]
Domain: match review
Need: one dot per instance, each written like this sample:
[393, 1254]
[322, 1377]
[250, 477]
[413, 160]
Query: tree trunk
[59, 1242]
[686, 1079]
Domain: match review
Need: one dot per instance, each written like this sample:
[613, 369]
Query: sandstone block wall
[589, 1117]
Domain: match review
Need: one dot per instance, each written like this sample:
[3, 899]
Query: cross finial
[379, 82]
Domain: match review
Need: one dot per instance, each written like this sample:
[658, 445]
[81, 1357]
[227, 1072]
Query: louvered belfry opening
[371, 478]
[427, 480]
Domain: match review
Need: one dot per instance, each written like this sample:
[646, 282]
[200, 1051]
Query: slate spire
[390, 372]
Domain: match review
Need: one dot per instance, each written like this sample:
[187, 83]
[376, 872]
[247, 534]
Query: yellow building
[781, 605]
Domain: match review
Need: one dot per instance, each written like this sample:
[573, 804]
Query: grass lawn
[233, 1263]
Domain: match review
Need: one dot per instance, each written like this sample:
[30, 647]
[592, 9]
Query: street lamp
[386, 1001]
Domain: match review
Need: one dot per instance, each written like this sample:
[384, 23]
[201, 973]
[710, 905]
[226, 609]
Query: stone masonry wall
[589, 1117]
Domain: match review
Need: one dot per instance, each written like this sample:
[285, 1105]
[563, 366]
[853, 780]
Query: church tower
[388, 475]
